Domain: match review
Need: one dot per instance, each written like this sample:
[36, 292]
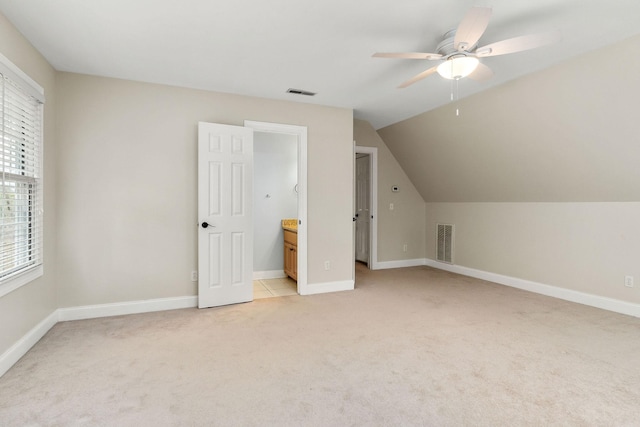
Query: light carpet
[407, 347]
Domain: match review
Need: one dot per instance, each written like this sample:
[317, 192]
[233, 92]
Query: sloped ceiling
[566, 134]
[262, 48]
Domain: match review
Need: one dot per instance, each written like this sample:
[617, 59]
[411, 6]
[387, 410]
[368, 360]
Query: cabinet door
[294, 262]
[288, 266]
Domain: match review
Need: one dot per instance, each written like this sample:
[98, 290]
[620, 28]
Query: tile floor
[269, 288]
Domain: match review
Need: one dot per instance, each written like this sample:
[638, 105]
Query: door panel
[237, 189]
[215, 192]
[225, 246]
[363, 213]
[215, 261]
[237, 258]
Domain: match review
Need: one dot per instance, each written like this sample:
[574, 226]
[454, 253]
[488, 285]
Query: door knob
[205, 224]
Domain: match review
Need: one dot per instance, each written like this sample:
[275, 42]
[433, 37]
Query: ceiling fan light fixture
[458, 67]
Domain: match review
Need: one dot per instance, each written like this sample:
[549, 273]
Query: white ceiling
[262, 48]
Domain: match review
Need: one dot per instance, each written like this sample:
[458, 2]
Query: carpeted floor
[408, 347]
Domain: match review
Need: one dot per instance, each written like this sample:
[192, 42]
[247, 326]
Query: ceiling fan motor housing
[447, 49]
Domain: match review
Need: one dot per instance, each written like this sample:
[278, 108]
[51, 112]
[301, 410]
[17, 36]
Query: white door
[225, 231]
[363, 213]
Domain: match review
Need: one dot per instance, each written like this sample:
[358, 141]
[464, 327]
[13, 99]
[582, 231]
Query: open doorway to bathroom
[275, 198]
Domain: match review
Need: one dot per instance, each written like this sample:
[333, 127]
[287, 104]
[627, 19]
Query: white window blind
[20, 181]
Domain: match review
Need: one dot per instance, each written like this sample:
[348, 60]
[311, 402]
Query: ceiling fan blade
[419, 77]
[407, 55]
[471, 28]
[518, 44]
[481, 73]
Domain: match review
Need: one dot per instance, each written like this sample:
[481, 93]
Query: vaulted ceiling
[261, 48]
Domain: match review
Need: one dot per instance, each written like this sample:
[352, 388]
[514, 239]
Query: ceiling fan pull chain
[455, 93]
[451, 90]
[457, 96]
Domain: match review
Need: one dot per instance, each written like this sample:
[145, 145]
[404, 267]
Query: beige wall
[566, 134]
[25, 307]
[127, 179]
[540, 175]
[586, 247]
[405, 223]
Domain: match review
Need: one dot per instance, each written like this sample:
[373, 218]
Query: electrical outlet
[404, 248]
[628, 281]
[327, 265]
[194, 276]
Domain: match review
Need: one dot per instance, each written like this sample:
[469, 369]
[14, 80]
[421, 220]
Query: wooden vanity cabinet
[291, 254]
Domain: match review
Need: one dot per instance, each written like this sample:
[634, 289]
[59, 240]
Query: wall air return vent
[444, 244]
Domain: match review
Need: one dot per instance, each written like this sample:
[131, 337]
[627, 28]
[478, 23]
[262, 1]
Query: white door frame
[373, 186]
[301, 133]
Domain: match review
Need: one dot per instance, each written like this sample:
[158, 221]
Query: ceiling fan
[459, 49]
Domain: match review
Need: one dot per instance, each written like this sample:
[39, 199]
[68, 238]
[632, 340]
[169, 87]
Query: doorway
[275, 198]
[279, 194]
[365, 207]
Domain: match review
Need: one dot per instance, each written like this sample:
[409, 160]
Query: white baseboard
[271, 274]
[321, 288]
[597, 301]
[128, 307]
[399, 263]
[24, 344]
[20, 348]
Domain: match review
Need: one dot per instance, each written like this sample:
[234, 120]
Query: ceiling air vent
[444, 244]
[300, 92]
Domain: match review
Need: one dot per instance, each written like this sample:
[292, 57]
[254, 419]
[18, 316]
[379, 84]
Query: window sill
[15, 282]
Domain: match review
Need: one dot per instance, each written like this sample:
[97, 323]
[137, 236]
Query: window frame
[27, 274]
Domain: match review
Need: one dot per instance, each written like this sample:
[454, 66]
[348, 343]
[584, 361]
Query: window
[21, 102]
